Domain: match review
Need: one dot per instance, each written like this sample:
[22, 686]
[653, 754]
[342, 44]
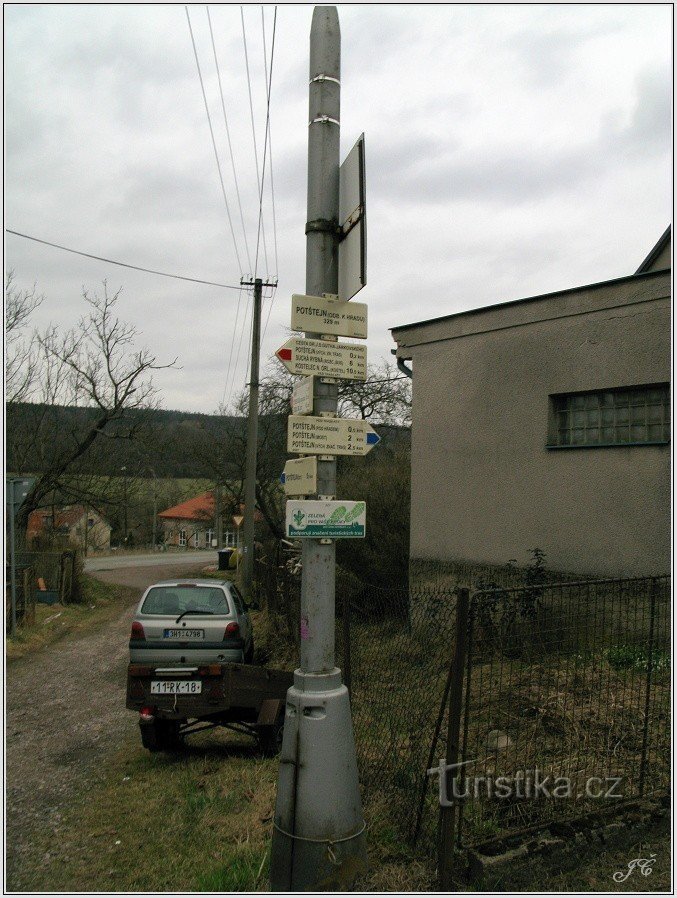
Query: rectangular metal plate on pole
[326, 316]
[302, 396]
[330, 436]
[347, 361]
[17, 488]
[316, 519]
[352, 251]
[300, 476]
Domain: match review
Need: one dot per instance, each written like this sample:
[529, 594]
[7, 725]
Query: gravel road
[65, 714]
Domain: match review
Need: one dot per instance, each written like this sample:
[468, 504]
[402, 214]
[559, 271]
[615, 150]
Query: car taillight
[137, 631]
[231, 630]
[147, 714]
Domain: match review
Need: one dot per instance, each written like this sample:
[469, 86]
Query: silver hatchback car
[187, 622]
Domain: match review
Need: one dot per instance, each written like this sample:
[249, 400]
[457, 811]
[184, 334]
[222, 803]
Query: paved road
[156, 559]
[65, 715]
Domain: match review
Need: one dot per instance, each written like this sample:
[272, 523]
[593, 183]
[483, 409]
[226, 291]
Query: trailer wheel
[160, 735]
[270, 737]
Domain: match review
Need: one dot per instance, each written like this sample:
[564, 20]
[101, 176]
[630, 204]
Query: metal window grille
[624, 417]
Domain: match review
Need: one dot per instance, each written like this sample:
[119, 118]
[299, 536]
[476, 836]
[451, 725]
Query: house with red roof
[82, 527]
[192, 524]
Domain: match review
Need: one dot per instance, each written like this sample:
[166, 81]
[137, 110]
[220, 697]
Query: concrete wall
[484, 486]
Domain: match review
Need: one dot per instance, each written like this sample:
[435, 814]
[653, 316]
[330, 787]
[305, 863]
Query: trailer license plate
[184, 634]
[176, 687]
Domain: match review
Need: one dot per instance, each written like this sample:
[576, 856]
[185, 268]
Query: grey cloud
[547, 54]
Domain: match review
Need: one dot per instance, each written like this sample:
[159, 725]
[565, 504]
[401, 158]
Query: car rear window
[177, 599]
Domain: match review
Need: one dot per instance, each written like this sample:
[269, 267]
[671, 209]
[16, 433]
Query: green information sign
[317, 519]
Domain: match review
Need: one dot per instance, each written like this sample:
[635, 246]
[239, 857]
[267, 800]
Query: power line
[267, 145]
[270, 143]
[163, 274]
[232, 343]
[211, 131]
[230, 146]
[256, 154]
[265, 152]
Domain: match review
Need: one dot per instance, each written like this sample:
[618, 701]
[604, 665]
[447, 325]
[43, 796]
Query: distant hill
[170, 442]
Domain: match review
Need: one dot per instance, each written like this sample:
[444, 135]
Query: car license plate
[176, 687]
[184, 634]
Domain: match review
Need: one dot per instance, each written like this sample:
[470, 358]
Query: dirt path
[65, 715]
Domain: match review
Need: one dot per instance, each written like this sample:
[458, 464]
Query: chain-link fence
[566, 684]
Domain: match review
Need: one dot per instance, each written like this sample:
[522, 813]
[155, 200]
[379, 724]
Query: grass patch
[101, 602]
[199, 820]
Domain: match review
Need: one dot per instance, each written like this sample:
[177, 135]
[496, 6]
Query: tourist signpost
[300, 476]
[328, 316]
[318, 826]
[330, 436]
[346, 361]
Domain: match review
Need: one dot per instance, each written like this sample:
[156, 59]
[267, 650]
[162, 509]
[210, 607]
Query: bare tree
[20, 351]
[383, 398]
[96, 368]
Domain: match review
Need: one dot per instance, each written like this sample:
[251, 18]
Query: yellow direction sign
[330, 436]
[300, 476]
[321, 315]
[347, 361]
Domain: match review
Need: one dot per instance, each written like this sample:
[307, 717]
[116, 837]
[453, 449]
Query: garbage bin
[224, 558]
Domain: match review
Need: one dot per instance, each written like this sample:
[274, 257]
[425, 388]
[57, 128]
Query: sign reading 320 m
[309, 435]
[347, 361]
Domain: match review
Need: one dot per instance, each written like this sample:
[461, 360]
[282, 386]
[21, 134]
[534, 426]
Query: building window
[196, 539]
[182, 537]
[634, 416]
[209, 536]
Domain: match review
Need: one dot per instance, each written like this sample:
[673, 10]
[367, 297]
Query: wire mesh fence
[565, 684]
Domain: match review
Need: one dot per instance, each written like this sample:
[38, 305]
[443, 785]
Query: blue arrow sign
[373, 439]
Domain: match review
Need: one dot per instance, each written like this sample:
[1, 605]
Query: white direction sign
[330, 436]
[326, 316]
[300, 476]
[316, 519]
[347, 361]
[302, 396]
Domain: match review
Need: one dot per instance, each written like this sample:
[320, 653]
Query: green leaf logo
[356, 512]
[336, 515]
[298, 517]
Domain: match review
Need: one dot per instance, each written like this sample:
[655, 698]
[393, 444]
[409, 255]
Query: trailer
[173, 702]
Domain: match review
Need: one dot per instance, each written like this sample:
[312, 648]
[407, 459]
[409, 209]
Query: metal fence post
[445, 865]
[647, 699]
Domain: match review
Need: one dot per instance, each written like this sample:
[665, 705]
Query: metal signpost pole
[12, 552]
[318, 835]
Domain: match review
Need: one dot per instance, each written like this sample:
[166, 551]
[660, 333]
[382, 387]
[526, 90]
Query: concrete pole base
[318, 836]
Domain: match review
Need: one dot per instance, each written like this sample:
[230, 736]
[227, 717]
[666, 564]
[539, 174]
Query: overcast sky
[510, 151]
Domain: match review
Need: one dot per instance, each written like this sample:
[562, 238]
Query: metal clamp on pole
[324, 120]
[322, 226]
[325, 78]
